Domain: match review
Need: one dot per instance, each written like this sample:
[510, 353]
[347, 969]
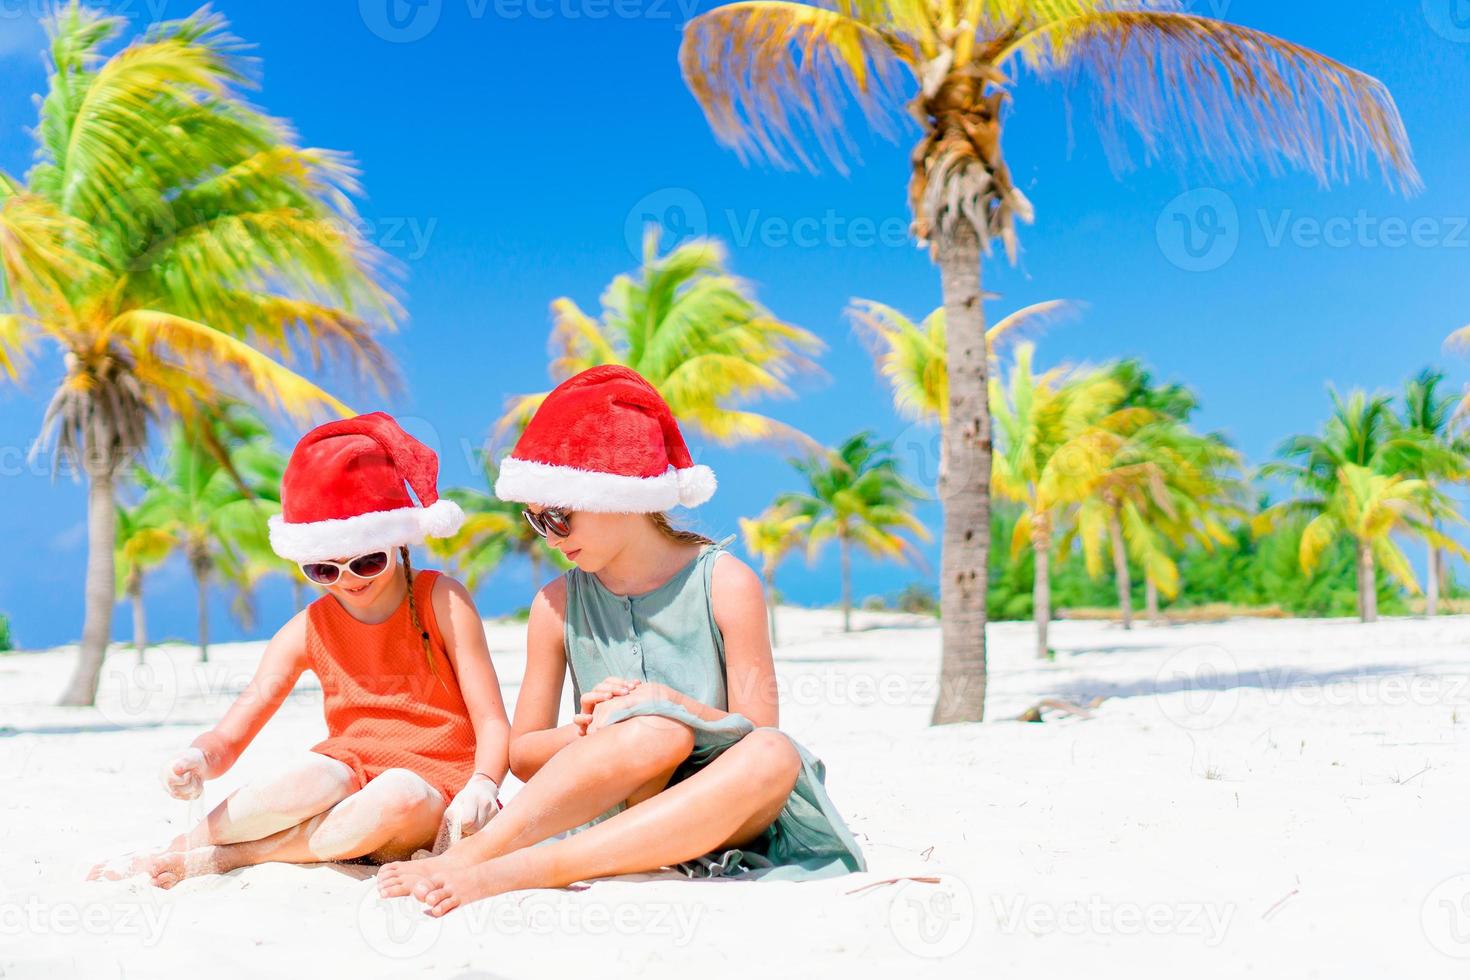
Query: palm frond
[772, 75]
[1230, 94]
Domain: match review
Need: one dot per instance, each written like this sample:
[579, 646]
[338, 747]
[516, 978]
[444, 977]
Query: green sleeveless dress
[668, 636]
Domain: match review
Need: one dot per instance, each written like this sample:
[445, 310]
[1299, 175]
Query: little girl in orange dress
[417, 734]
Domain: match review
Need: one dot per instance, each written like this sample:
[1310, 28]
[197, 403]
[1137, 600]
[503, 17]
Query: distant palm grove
[193, 265]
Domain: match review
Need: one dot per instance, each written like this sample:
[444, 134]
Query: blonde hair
[661, 521]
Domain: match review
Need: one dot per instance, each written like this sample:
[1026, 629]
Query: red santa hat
[604, 440]
[343, 492]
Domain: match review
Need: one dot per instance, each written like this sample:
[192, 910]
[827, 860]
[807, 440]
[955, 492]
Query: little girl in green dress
[674, 758]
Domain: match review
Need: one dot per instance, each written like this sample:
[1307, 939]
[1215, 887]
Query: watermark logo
[677, 213]
[395, 927]
[1096, 916]
[1445, 917]
[1450, 19]
[29, 917]
[932, 920]
[1199, 230]
[400, 21]
[131, 689]
[1198, 687]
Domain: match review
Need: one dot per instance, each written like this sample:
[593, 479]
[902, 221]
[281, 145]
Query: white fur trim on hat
[376, 531]
[609, 493]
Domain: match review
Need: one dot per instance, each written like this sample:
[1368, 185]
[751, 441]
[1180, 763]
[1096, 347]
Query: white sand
[1272, 799]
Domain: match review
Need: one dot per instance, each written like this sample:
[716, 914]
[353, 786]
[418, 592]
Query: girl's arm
[750, 673]
[280, 667]
[464, 638]
[534, 735]
[740, 613]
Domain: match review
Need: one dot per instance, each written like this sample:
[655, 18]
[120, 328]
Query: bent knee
[773, 757]
[404, 795]
[659, 742]
[315, 780]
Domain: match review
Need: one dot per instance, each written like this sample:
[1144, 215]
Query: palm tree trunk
[1442, 565]
[964, 484]
[201, 586]
[769, 578]
[1120, 570]
[1367, 586]
[1041, 584]
[140, 616]
[1431, 584]
[1151, 599]
[846, 584]
[100, 589]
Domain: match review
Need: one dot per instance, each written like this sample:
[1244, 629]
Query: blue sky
[509, 149]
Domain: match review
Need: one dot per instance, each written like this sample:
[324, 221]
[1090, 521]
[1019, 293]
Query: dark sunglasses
[551, 520]
[363, 566]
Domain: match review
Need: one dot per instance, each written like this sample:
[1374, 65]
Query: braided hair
[413, 613]
[683, 536]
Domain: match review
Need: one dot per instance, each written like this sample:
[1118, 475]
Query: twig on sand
[1279, 902]
[925, 879]
[1033, 713]
[1410, 779]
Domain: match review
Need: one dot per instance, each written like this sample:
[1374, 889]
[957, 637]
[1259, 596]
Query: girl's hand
[612, 687]
[644, 692]
[472, 807]
[183, 776]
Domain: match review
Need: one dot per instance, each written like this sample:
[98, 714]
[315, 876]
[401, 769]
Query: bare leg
[629, 761]
[391, 816]
[727, 804]
[310, 785]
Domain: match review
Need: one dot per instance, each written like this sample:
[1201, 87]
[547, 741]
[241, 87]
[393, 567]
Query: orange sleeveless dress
[384, 708]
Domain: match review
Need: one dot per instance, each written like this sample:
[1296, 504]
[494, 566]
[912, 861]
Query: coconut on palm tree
[695, 332]
[774, 78]
[771, 536]
[856, 496]
[1357, 481]
[174, 244]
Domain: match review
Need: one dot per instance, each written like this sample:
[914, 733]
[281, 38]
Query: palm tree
[173, 244]
[493, 530]
[771, 536]
[1165, 487]
[1057, 434]
[774, 76]
[1429, 414]
[199, 508]
[857, 496]
[695, 332]
[914, 357]
[139, 548]
[1354, 483]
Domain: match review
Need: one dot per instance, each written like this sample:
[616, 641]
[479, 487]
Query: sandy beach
[1264, 798]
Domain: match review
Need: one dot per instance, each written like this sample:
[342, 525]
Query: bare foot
[172, 867]
[397, 878]
[125, 866]
[448, 890]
